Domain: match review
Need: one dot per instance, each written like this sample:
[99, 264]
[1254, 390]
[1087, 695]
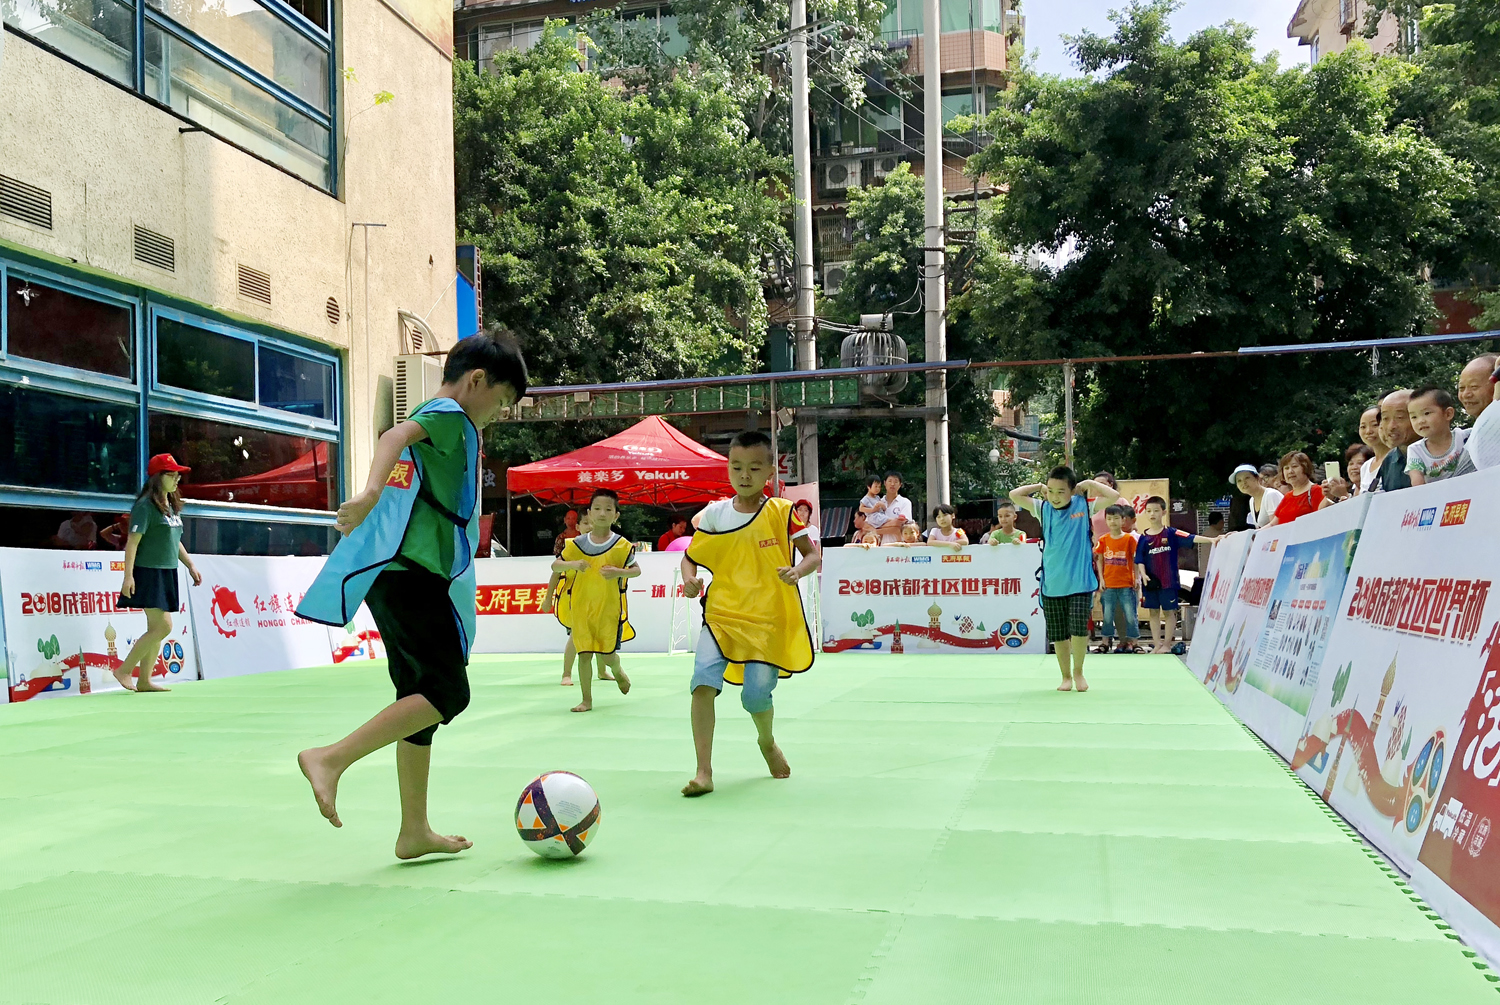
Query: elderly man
[1396, 431]
[1478, 389]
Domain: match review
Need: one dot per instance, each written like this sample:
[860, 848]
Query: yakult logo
[662, 476]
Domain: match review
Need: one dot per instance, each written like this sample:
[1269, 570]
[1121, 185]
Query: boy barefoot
[1068, 578]
[754, 630]
[549, 605]
[419, 505]
[594, 569]
[1156, 561]
[1119, 583]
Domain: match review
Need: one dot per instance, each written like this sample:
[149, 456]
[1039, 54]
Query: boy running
[549, 606]
[754, 631]
[1156, 560]
[408, 552]
[1068, 578]
[594, 569]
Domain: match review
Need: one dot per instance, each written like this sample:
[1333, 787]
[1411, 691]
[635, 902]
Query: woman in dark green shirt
[152, 552]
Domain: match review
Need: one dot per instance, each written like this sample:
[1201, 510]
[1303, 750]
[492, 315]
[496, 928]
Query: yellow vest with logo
[751, 613]
[593, 607]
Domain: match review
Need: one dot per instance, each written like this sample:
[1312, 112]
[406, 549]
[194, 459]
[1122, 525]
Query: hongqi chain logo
[225, 604]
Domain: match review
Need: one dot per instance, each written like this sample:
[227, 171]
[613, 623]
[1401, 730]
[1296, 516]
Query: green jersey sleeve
[445, 431]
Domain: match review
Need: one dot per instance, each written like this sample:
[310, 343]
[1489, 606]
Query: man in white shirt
[1478, 392]
[897, 508]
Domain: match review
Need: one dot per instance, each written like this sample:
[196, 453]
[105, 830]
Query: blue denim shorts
[709, 665]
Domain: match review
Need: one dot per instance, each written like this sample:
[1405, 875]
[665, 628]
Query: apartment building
[1328, 26]
[220, 221]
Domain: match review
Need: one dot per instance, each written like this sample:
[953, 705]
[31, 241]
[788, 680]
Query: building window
[257, 74]
[194, 359]
[496, 38]
[242, 464]
[1315, 48]
[67, 443]
[51, 325]
[295, 383]
[203, 536]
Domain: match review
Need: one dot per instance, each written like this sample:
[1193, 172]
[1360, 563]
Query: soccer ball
[1014, 633]
[557, 815]
[171, 654]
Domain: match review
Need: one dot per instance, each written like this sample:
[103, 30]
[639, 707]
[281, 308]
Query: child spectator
[1114, 557]
[910, 537]
[945, 534]
[1302, 496]
[1129, 525]
[1435, 456]
[1156, 560]
[1003, 527]
[872, 506]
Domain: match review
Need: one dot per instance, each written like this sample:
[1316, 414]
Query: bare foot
[324, 779]
[701, 785]
[567, 680]
[776, 761]
[606, 675]
[124, 679]
[431, 843]
[143, 682]
[624, 682]
[1066, 685]
[1079, 684]
[583, 706]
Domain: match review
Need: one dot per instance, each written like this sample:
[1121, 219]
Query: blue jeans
[708, 670]
[1119, 604]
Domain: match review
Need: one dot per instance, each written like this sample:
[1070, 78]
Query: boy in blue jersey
[1156, 560]
[1068, 578]
[412, 563]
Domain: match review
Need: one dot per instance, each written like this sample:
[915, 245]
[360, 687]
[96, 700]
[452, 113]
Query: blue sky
[1046, 20]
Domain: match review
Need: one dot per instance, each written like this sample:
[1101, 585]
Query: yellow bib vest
[592, 606]
[751, 613]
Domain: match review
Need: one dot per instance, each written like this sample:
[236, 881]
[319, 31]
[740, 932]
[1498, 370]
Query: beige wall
[1320, 19]
[111, 160]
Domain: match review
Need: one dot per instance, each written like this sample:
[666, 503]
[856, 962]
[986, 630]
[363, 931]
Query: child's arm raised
[811, 561]
[1102, 493]
[387, 452]
[1022, 496]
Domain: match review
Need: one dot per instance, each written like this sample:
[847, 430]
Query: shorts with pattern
[1067, 617]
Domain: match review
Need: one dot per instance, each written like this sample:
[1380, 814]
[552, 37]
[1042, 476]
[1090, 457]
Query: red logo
[1455, 513]
[117, 567]
[224, 604]
[769, 542]
[400, 475]
[957, 558]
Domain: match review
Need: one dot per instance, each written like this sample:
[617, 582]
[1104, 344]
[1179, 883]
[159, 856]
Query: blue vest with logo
[1067, 549]
[358, 559]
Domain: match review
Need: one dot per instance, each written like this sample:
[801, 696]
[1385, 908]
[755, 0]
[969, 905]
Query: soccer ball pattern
[1014, 633]
[557, 815]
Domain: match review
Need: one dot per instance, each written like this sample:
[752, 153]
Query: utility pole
[804, 334]
[934, 273]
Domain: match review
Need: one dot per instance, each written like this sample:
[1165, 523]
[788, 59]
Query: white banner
[1222, 578]
[1271, 645]
[64, 635]
[933, 600]
[1387, 742]
[243, 613]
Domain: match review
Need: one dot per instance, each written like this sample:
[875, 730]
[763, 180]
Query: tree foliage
[1193, 198]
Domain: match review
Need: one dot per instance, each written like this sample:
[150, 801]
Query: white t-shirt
[1484, 438]
[1367, 473]
[1268, 504]
[1432, 466]
[720, 516]
[592, 548]
[875, 518]
[900, 506]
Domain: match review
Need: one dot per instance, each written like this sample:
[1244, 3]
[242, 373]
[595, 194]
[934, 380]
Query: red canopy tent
[649, 464]
[303, 482]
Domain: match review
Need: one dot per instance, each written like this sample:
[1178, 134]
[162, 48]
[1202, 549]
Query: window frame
[57, 376]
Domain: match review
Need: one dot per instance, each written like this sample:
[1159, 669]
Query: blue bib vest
[358, 559]
[1067, 549]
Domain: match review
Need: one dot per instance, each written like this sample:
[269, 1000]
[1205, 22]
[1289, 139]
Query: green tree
[1197, 199]
[621, 232]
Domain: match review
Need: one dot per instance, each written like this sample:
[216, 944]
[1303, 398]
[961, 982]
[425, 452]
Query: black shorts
[1067, 617]
[154, 588]
[422, 642]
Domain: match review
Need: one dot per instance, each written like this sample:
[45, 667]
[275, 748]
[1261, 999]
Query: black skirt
[156, 588]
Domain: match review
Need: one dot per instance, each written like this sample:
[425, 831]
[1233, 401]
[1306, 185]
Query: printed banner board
[1402, 690]
[63, 633]
[1225, 563]
[1271, 647]
[243, 613]
[933, 600]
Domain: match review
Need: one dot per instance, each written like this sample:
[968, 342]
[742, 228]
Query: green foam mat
[954, 830]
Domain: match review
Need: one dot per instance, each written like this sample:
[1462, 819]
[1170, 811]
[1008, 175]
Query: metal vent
[155, 249]
[332, 308]
[25, 202]
[255, 285]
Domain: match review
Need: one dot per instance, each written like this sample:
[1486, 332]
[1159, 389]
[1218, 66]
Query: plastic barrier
[1226, 561]
[933, 600]
[62, 632]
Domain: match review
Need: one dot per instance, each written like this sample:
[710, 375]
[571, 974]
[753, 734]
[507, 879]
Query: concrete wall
[1320, 19]
[113, 160]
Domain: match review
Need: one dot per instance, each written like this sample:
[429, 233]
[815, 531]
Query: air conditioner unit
[417, 379]
[842, 174]
[833, 277]
[886, 164]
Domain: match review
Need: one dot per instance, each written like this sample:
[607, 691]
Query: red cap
[163, 462]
